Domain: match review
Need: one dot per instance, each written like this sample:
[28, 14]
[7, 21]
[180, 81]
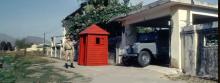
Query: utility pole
[44, 44]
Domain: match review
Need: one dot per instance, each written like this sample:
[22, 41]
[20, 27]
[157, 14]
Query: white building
[174, 14]
[35, 47]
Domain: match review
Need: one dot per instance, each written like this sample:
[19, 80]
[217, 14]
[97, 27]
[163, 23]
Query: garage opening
[153, 37]
[202, 19]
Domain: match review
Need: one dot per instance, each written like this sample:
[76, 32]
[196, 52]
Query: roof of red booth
[94, 29]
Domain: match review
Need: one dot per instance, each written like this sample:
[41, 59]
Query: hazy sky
[21, 18]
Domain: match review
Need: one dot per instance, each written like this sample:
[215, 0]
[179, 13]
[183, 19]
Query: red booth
[93, 50]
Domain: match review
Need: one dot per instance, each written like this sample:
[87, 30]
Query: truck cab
[148, 47]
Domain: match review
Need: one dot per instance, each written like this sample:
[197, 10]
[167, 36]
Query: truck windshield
[146, 37]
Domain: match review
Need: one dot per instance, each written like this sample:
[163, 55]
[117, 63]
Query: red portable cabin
[93, 50]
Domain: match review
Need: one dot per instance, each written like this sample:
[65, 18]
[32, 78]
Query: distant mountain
[28, 39]
[35, 40]
[4, 37]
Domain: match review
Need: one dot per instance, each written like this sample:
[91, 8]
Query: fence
[200, 50]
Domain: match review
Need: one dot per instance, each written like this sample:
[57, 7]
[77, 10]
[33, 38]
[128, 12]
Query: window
[97, 40]
[211, 39]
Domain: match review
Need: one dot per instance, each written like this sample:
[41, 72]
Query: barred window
[211, 39]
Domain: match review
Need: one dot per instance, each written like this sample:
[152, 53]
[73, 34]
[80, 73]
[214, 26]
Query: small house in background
[93, 49]
[34, 47]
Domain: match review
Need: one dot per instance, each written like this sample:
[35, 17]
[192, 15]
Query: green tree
[0, 46]
[94, 12]
[9, 46]
[21, 44]
[3, 46]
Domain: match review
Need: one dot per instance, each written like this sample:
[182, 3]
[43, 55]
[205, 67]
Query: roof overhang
[161, 8]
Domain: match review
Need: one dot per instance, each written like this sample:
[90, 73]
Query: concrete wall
[183, 16]
[199, 59]
[180, 17]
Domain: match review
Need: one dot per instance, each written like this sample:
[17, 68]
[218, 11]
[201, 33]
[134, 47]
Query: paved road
[120, 74]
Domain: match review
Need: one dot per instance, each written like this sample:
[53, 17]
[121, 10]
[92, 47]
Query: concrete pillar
[131, 35]
[51, 52]
[119, 48]
[181, 17]
[118, 56]
[61, 49]
[128, 37]
[55, 52]
[52, 45]
[55, 48]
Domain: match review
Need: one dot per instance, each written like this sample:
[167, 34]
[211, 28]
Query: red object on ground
[93, 50]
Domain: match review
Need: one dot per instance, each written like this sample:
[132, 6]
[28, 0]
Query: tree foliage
[144, 29]
[94, 12]
[3, 46]
[9, 46]
[21, 44]
[6, 46]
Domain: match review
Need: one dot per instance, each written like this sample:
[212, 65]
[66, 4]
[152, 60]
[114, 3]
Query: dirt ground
[36, 69]
[113, 74]
[122, 74]
[190, 79]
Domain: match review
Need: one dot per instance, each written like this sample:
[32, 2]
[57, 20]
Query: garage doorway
[156, 31]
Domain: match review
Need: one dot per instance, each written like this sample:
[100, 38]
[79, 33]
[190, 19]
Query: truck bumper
[130, 55]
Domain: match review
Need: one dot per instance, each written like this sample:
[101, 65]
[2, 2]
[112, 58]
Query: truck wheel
[144, 58]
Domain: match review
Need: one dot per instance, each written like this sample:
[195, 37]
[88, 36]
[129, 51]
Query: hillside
[28, 39]
[35, 40]
[4, 37]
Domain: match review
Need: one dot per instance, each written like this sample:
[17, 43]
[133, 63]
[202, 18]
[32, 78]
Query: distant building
[35, 47]
[56, 48]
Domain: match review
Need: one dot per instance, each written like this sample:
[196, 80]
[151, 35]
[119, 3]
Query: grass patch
[17, 69]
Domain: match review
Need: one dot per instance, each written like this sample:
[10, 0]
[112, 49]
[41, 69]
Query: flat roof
[192, 3]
